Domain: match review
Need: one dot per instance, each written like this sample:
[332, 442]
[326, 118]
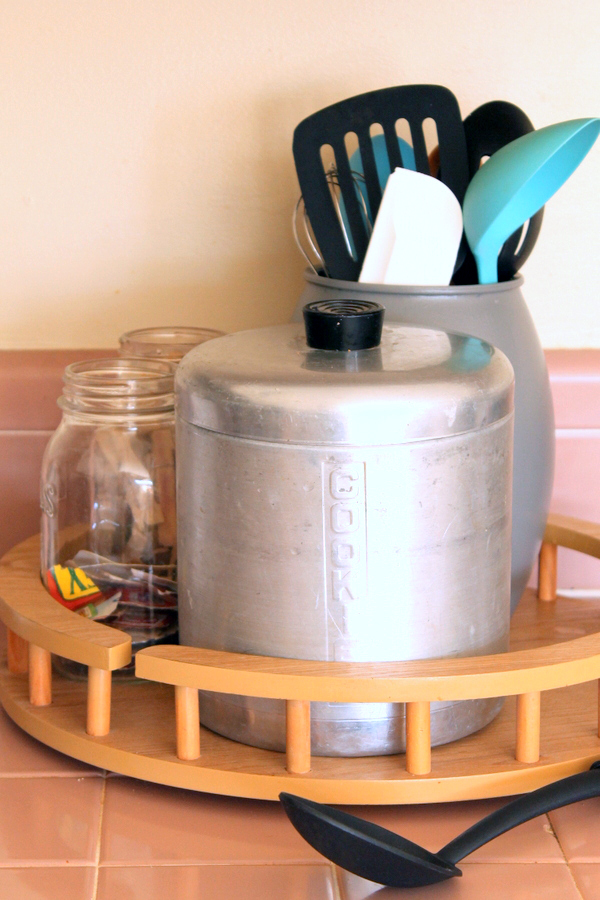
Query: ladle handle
[528, 806]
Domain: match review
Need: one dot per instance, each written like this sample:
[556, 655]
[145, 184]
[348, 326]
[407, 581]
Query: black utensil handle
[551, 796]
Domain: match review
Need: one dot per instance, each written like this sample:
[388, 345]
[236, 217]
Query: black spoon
[487, 129]
[387, 858]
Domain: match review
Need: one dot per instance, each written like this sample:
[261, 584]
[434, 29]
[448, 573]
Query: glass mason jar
[108, 530]
[165, 343]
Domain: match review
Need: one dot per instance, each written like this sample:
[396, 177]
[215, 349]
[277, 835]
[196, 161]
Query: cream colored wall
[146, 174]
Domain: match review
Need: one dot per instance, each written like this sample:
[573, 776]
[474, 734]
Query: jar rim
[168, 342]
[121, 374]
[176, 333]
[119, 384]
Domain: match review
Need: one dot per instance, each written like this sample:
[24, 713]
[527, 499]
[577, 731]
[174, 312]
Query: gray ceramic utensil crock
[344, 503]
[498, 314]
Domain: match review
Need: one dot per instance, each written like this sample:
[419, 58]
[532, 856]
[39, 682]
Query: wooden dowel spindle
[547, 571]
[40, 676]
[187, 722]
[17, 653]
[528, 727]
[418, 738]
[98, 702]
[297, 737]
[599, 708]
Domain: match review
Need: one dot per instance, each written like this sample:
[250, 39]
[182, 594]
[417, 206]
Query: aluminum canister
[344, 505]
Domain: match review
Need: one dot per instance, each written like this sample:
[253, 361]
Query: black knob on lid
[343, 324]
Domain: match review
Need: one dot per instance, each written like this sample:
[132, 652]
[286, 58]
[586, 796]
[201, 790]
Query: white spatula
[417, 232]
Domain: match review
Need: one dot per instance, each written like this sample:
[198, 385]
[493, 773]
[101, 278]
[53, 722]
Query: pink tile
[587, 879]
[295, 882]
[20, 462]
[485, 881]
[150, 824]
[576, 489]
[434, 825]
[31, 382]
[573, 363]
[577, 827]
[577, 493]
[45, 820]
[575, 384]
[21, 754]
[58, 883]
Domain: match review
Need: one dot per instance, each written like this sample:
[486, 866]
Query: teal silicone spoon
[516, 182]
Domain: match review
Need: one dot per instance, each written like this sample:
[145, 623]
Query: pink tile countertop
[72, 832]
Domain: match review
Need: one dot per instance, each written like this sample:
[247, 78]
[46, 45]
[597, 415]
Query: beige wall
[146, 174]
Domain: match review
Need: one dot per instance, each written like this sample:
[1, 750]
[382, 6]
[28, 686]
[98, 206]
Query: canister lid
[418, 384]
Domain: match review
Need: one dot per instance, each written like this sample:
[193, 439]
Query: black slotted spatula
[357, 115]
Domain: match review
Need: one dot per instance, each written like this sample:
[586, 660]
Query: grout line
[575, 378]
[46, 864]
[207, 863]
[575, 885]
[564, 855]
[337, 884]
[555, 836]
[99, 842]
[591, 433]
[585, 860]
[164, 864]
[514, 861]
[79, 775]
[35, 432]
[580, 593]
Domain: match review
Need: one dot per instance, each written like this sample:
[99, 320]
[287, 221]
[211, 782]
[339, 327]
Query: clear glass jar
[108, 530]
[165, 343]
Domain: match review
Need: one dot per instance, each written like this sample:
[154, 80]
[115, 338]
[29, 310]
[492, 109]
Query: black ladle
[487, 129]
[387, 858]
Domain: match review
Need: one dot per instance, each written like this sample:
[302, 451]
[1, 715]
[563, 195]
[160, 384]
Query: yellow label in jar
[72, 583]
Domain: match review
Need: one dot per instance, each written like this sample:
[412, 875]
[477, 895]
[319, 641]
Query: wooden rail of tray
[38, 626]
[524, 673]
